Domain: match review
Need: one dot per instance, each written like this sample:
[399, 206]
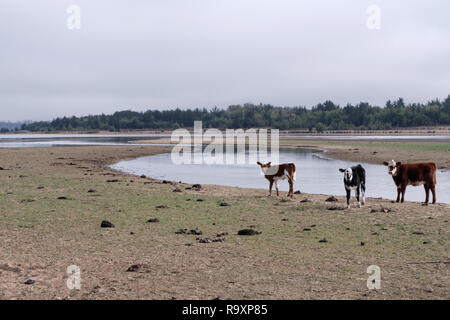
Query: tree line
[321, 117]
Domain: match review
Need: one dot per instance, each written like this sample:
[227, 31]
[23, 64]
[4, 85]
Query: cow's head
[348, 174]
[264, 167]
[393, 167]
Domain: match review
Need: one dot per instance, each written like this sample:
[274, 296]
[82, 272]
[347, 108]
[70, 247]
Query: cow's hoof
[359, 205]
[348, 207]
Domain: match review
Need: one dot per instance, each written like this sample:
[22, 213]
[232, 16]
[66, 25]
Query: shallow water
[53, 140]
[315, 174]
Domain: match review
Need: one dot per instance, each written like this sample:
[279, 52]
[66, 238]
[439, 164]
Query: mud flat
[174, 240]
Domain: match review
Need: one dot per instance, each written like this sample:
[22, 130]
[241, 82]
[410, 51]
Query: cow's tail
[293, 172]
[434, 174]
[363, 177]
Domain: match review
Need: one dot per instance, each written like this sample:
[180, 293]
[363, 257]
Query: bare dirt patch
[40, 239]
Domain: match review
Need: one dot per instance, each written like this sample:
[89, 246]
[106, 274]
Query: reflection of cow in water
[279, 172]
[414, 174]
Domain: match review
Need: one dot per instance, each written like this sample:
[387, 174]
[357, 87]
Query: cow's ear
[341, 170]
[398, 164]
[259, 163]
[268, 163]
[386, 163]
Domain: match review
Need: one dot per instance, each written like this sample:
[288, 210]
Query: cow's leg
[357, 191]
[403, 193]
[276, 187]
[270, 188]
[427, 193]
[398, 193]
[348, 197]
[433, 191]
[291, 188]
[363, 190]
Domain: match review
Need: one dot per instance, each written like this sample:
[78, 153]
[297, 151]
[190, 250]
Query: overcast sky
[160, 54]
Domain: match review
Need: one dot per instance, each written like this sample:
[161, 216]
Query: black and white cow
[355, 179]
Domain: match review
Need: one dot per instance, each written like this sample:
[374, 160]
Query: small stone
[362, 243]
[297, 192]
[106, 224]
[176, 190]
[332, 199]
[153, 220]
[62, 198]
[224, 204]
[29, 282]
[323, 240]
[305, 200]
[248, 232]
[139, 268]
[91, 191]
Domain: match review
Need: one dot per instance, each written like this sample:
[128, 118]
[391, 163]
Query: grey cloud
[202, 53]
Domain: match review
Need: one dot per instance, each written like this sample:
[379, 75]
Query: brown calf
[413, 174]
[279, 172]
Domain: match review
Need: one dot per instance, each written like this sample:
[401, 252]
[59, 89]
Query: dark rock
[305, 200]
[306, 229]
[151, 220]
[284, 219]
[112, 180]
[200, 200]
[248, 232]
[336, 208]
[176, 190]
[323, 240]
[143, 176]
[162, 207]
[313, 226]
[224, 204]
[131, 232]
[297, 192]
[417, 232]
[62, 198]
[139, 268]
[332, 199]
[165, 181]
[221, 234]
[192, 231]
[91, 191]
[426, 242]
[29, 281]
[40, 187]
[1, 168]
[106, 224]
[197, 186]
[382, 210]
[363, 243]
[209, 240]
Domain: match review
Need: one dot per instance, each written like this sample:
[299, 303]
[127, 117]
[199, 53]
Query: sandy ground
[52, 201]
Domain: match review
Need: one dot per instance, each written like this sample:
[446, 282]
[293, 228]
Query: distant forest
[323, 116]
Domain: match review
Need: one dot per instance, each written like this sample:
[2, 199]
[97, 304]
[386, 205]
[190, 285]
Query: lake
[315, 174]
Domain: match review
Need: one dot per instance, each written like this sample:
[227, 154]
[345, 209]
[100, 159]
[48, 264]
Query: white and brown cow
[414, 174]
[279, 172]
